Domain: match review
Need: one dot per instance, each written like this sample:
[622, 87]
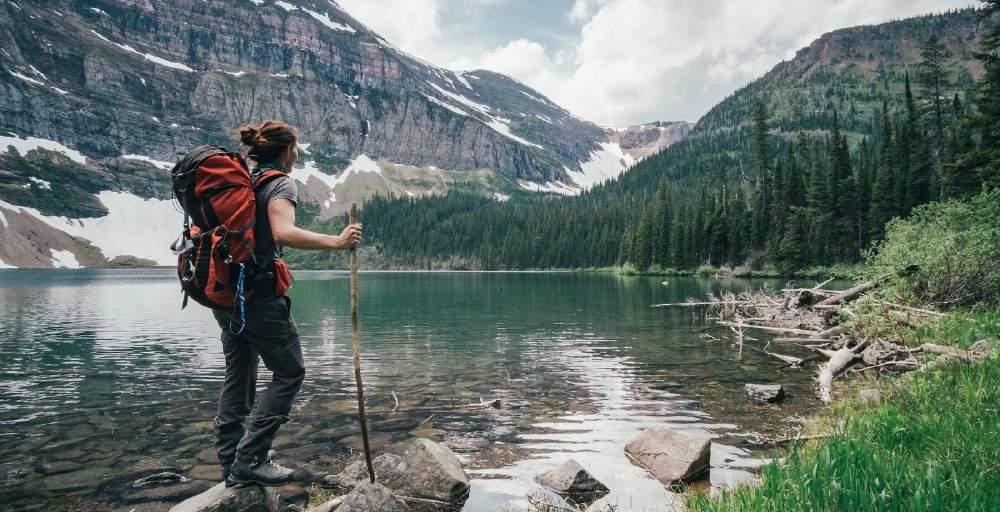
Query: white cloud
[634, 61]
[412, 25]
[643, 60]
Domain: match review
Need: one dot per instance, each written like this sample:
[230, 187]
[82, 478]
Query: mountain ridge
[102, 96]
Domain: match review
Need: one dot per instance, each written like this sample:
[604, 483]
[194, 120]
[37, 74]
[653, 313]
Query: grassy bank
[930, 444]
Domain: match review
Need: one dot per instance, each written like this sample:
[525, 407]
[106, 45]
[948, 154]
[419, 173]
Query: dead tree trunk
[847, 295]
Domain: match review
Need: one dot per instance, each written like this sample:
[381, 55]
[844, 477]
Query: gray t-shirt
[282, 187]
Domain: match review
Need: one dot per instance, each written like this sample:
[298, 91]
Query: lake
[103, 378]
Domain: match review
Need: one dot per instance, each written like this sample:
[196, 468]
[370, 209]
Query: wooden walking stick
[357, 348]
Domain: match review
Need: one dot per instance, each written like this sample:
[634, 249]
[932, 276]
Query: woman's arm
[281, 213]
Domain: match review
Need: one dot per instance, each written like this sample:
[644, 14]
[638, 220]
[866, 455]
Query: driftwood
[942, 350]
[839, 361]
[847, 295]
[767, 328]
[794, 361]
[693, 304]
[803, 319]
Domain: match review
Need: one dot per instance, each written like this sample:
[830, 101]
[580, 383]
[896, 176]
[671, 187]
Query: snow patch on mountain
[42, 184]
[555, 187]
[133, 226]
[148, 56]
[26, 78]
[158, 163]
[23, 146]
[64, 259]
[607, 162]
[324, 18]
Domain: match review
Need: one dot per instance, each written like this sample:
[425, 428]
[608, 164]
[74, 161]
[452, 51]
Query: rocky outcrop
[426, 470]
[572, 481]
[764, 393]
[643, 140]
[670, 455]
[368, 497]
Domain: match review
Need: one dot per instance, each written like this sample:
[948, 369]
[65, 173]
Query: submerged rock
[426, 470]
[163, 478]
[571, 480]
[369, 497]
[764, 393]
[672, 456]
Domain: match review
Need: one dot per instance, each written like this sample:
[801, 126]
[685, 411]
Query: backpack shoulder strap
[261, 178]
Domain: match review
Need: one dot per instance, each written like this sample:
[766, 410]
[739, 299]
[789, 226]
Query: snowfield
[606, 163]
[133, 227]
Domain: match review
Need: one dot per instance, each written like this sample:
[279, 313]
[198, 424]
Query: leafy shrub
[945, 254]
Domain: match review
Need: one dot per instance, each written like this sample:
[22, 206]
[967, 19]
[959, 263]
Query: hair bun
[250, 136]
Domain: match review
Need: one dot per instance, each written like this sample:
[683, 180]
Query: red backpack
[215, 252]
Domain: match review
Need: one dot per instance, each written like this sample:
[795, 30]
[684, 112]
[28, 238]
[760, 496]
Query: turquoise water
[103, 378]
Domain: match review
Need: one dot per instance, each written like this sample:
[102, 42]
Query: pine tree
[883, 198]
[933, 75]
[983, 162]
[760, 165]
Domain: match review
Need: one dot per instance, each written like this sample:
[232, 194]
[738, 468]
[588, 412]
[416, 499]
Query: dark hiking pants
[271, 335]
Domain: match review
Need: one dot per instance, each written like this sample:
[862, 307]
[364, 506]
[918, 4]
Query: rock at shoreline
[388, 468]
[226, 499]
[570, 479]
[329, 506]
[672, 456]
[426, 470]
[764, 393]
[369, 497]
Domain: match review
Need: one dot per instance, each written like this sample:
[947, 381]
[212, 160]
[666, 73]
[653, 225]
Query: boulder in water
[571, 480]
[672, 456]
[764, 393]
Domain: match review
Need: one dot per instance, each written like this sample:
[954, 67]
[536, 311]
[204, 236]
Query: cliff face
[101, 97]
[641, 141]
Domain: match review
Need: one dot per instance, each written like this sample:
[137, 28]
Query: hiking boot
[226, 468]
[266, 472]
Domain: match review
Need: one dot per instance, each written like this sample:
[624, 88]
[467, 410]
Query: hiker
[268, 332]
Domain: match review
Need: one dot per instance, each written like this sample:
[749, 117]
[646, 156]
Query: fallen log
[943, 350]
[847, 295]
[767, 328]
[800, 340]
[824, 283]
[831, 332]
[839, 360]
[692, 304]
[791, 360]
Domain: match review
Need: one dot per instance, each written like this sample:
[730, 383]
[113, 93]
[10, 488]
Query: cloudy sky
[620, 62]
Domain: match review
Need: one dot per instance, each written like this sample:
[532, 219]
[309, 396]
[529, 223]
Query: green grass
[932, 445]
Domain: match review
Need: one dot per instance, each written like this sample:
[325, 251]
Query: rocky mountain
[643, 140]
[99, 98]
[849, 72]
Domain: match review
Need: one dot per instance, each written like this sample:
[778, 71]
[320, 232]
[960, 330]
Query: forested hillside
[803, 166]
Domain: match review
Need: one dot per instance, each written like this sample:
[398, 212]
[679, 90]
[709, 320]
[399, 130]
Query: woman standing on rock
[270, 333]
